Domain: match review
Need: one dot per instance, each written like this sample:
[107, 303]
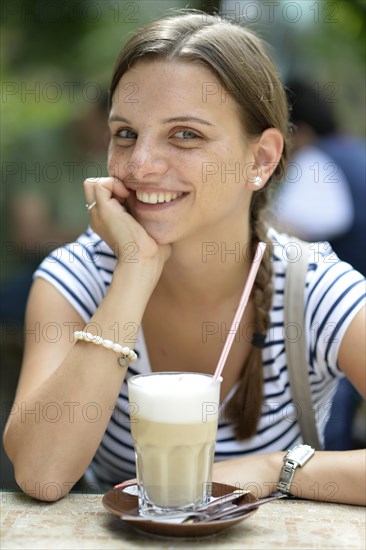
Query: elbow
[40, 488]
[32, 474]
[40, 483]
[8, 448]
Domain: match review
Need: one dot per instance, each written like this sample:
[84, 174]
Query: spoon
[230, 512]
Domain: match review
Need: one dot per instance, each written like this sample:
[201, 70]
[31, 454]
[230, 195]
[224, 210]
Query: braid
[244, 408]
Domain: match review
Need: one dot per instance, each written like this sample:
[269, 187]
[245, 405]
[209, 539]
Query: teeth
[154, 198]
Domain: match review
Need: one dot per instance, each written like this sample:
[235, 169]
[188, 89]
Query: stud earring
[257, 181]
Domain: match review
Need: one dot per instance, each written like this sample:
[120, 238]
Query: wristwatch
[298, 456]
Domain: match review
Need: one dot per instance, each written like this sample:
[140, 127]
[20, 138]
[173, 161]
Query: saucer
[120, 502]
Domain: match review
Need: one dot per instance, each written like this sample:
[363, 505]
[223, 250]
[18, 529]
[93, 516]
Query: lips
[155, 198]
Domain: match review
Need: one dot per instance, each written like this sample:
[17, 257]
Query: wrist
[295, 458]
[145, 273]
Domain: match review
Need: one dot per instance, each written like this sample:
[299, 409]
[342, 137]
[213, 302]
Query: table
[80, 521]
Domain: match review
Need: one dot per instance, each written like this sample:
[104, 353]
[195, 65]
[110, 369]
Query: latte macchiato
[174, 431]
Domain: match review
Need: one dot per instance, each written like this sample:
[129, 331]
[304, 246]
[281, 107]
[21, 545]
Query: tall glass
[174, 430]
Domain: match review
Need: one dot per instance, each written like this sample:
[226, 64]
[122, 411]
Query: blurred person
[313, 201]
[140, 264]
[317, 137]
[323, 197]
[350, 154]
[32, 230]
[32, 236]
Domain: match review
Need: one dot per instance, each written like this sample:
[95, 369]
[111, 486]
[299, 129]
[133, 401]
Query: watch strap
[294, 458]
[287, 475]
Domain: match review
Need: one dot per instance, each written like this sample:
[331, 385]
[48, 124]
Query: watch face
[301, 454]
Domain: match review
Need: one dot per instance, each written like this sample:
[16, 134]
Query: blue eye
[187, 134]
[129, 134]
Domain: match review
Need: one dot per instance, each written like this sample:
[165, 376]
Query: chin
[159, 235]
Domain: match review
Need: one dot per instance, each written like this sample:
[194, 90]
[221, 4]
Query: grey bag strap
[296, 351]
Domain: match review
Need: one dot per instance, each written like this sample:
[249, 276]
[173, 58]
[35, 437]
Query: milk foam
[175, 398]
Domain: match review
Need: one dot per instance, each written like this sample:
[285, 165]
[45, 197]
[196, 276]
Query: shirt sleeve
[74, 270]
[335, 293]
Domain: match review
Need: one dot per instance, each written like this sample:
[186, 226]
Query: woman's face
[178, 146]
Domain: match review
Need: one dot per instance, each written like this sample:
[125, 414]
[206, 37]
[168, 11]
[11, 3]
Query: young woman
[198, 121]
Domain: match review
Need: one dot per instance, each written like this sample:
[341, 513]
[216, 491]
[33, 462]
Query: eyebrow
[117, 118]
[186, 118]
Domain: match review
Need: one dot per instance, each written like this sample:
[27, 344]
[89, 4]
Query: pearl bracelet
[128, 355]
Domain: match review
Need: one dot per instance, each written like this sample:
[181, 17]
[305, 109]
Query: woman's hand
[110, 219]
[330, 476]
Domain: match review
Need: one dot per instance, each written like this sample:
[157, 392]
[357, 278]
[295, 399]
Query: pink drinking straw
[242, 305]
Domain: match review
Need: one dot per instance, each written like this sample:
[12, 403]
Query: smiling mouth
[157, 198]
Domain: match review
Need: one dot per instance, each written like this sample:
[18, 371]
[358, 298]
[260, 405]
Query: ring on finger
[90, 205]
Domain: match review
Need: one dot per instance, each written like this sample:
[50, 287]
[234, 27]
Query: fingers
[103, 190]
[89, 190]
[110, 186]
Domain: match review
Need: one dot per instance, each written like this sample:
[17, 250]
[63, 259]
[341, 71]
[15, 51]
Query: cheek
[118, 165]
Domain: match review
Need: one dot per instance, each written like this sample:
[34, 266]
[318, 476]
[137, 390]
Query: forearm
[54, 432]
[329, 476]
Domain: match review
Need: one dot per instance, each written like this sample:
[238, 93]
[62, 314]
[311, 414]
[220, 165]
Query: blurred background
[56, 61]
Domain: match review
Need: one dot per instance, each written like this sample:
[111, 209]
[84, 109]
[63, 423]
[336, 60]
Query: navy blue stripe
[274, 411]
[333, 307]
[118, 469]
[88, 252]
[68, 291]
[277, 377]
[65, 266]
[277, 258]
[259, 432]
[272, 360]
[105, 270]
[125, 427]
[341, 321]
[273, 343]
[116, 455]
[90, 273]
[132, 370]
[315, 383]
[316, 285]
[100, 464]
[263, 414]
[329, 289]
[260, 447]
[277, 394]
[98, 243]
[124, 398]
[119, 441]
[105, 254]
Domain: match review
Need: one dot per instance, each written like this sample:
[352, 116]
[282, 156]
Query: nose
[147, 160]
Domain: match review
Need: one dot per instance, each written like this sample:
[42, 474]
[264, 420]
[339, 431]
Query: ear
[267, 153]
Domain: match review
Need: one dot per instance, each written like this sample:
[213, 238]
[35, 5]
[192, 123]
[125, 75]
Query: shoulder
[331, 284]
[89, 251]
[333, 295]
[81, 271]
[323, 262]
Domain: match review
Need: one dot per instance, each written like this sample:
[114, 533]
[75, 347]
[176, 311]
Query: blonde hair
[238, 59]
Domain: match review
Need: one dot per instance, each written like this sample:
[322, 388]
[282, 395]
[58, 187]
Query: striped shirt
[335, 292]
